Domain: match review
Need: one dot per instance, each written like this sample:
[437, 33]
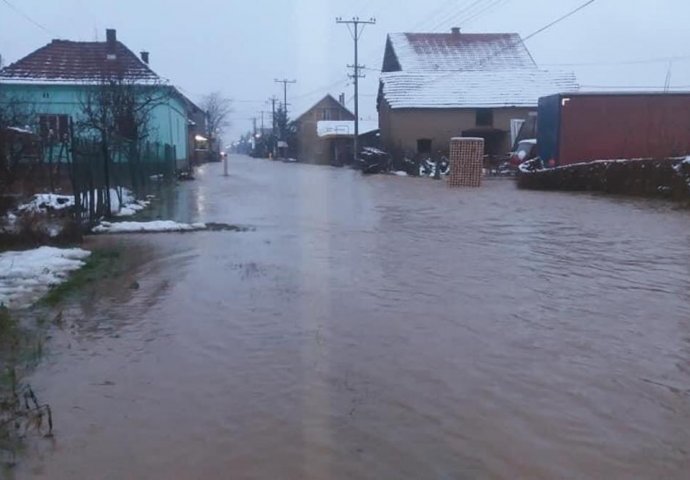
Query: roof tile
[68, 61]
[431, 52]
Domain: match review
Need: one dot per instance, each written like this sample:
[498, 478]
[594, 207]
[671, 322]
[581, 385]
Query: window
[485, 117]
[424, 145]
[54, 127]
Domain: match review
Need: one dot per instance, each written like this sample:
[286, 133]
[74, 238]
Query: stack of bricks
[466, 160]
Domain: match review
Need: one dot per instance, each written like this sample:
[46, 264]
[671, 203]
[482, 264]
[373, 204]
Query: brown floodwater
[379, 327]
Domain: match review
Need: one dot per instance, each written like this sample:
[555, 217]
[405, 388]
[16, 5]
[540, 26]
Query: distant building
[338, 137]
[198, 145]
[315, 148]
[435, 86]
[55, 78]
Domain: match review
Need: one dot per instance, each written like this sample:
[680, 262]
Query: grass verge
[99, 265]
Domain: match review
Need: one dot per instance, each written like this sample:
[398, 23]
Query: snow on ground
[129, 205]
[26, 275]
[155, 226]
[400, 173]
[50, 201]
[47, 201]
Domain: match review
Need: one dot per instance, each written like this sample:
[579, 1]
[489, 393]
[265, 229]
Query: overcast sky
[240, 47]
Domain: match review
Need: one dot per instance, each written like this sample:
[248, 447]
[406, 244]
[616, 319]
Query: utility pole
[356, 27]
[285, 82]
[273, 101]
[262, 122]
[253, 119]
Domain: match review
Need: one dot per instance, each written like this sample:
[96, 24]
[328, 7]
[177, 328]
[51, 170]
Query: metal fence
[96, 174]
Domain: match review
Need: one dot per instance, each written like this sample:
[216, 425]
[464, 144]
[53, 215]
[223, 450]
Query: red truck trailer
[581, 127]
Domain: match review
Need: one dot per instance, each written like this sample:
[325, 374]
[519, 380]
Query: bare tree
[218, 108]
[116, 112]
[16, 118]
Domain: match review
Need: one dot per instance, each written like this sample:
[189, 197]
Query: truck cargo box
[581, 127]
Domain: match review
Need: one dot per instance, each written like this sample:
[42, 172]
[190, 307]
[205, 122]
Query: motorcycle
[427, 167]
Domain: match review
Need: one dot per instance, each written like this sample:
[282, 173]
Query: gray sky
[239, 47]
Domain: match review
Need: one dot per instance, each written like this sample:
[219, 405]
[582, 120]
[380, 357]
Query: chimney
[341, 99]
[111, 36]
[110, 42]
[455, 30]
[145, 57]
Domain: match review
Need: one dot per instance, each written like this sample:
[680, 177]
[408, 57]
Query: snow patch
[25, 131]
[129, 205]
[47, 201]
[400, 173]
[26, 275]
[155, 226]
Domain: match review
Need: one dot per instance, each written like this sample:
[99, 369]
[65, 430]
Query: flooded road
[380, 327]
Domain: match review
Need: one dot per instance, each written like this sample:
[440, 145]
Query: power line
[559, 19]
[28, 18]
[434, 15]
[485, 10]
[468, 7]
[429, 19]
[537, 32]
[622, 62]
[320, 89]
[481, 62]
[248, 101]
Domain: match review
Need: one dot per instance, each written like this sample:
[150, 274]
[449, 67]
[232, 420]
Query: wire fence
[95, 172]
[99, 176]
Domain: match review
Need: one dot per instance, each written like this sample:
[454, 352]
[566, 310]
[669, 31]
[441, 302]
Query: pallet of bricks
[466, 155]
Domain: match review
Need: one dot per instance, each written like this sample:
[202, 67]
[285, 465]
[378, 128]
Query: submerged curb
[163, 226]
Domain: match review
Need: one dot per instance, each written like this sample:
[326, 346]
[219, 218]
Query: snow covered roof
[430, 52]
[329, 128]
[473, 89]
[64, 61]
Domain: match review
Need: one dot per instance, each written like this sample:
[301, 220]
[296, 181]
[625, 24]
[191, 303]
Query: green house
[54, 81]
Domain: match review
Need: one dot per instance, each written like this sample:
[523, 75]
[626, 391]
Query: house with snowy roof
[435, 86]
[54, 80]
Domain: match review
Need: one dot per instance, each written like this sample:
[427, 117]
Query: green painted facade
[168, 120]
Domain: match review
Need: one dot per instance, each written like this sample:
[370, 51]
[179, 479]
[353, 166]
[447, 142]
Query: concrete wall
[401, 128]
[168, 121]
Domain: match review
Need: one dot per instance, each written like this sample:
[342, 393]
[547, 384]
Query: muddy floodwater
[379, 328]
